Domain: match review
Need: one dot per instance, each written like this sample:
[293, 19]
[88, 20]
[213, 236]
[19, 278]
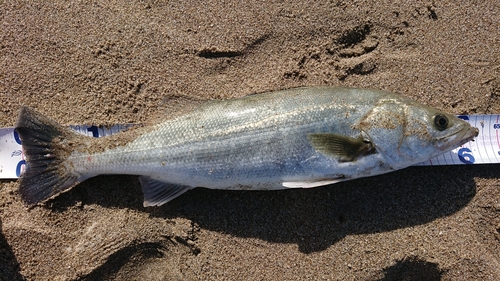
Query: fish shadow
[314, 219]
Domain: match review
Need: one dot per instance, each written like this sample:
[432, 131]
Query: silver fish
[295, 138]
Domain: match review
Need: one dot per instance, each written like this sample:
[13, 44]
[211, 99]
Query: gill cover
[384, 127]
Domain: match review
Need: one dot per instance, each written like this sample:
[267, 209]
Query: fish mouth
[463, 138]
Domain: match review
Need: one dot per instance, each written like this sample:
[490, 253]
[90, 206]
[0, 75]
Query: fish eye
[440, 121]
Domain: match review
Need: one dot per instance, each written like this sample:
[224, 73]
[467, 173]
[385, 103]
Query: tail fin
[45, 174]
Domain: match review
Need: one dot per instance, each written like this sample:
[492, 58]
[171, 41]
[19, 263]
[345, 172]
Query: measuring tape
[484, 150]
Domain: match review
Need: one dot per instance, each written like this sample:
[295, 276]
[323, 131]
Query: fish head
[405, 132]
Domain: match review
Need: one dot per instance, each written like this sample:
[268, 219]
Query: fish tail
[46, 145]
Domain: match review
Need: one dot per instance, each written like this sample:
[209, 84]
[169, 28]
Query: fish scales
[302, 137]
[260, 135]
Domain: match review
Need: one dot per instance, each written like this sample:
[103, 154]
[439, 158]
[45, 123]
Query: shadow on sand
[9, 267]
[312, 218]
[412, 269]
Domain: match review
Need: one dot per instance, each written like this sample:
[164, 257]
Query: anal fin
[311, 184]
[157, 193]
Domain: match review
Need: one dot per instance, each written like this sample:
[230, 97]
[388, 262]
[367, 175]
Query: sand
[120, 61]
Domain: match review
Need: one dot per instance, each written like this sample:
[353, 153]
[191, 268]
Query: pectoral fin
[344, 148]
[157, 193]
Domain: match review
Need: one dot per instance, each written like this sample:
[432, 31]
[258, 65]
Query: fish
[295, 138]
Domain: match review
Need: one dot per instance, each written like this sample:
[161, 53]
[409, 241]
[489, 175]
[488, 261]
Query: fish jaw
[462, 138]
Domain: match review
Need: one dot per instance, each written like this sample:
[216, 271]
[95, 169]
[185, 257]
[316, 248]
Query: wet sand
[133, 61]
